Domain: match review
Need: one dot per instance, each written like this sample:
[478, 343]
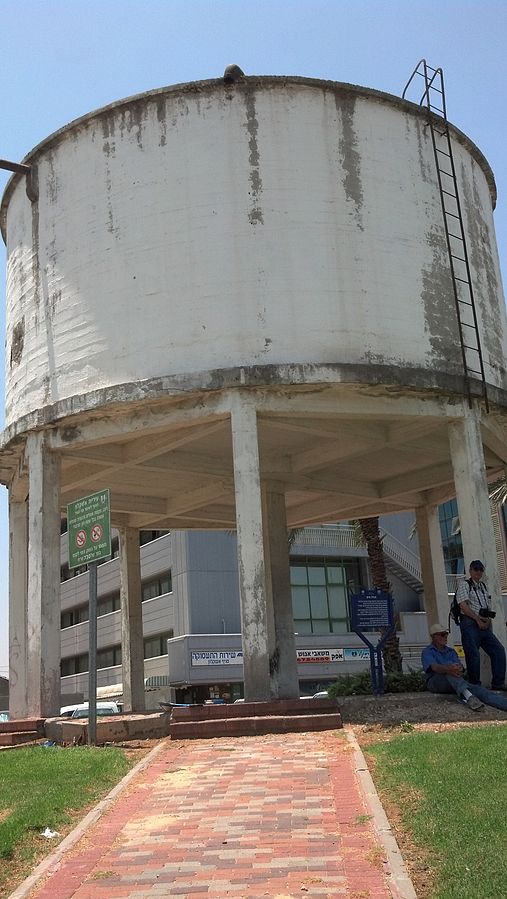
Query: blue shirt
[433, 656]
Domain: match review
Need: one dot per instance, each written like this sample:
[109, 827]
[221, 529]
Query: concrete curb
[399, 879]
[51, 862]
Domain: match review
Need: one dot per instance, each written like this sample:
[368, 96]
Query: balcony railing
[335, 537]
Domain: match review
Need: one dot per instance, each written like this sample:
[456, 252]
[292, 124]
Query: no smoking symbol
[96, 533]
[80, 538]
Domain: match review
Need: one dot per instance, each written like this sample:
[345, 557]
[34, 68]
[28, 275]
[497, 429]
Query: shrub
[394, 682]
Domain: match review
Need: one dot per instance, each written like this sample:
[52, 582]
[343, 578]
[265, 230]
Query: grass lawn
[448, 791]
[46, 787]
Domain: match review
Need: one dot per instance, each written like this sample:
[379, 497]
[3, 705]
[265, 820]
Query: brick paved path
[275, 816]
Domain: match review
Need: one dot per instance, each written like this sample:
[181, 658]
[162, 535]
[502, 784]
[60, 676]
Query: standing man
[475, 624]
[444, 674]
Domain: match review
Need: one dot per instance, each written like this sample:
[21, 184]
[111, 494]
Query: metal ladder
[433, 98]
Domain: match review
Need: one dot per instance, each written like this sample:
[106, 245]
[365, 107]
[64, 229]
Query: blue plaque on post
[373, 610]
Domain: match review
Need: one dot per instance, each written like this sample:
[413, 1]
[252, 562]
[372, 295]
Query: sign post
[89, 533]
[373, 610]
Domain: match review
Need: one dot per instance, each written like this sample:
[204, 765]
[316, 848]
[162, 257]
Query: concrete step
[23, 730]
[274, 707]
[15, 738]
[249, 726]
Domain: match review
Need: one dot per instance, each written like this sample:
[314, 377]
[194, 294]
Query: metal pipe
[19, 167]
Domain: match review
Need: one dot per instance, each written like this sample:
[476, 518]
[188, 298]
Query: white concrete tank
[210, 234]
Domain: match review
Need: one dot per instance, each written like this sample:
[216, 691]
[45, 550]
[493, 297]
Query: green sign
[89, 529]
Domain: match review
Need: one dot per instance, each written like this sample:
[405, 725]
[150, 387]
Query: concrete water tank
[204, 231]
[231, 304]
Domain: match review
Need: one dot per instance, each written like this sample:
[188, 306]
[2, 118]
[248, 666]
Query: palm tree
[370, 532]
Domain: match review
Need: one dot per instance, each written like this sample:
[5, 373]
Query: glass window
[302, 626]
[318, 602]
[157, 645]
[451, 537]
[335, 574]
[157, 586]
[109, 657]
[74, 665]
[316, 575]
[110, 603]
[148, 536]
[74, 616]
[300, 602]
[320, 592]
[337, 597]
[298, 574]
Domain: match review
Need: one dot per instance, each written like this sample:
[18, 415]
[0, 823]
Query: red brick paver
[269, 816]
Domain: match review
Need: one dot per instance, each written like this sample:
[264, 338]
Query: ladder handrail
[437, 119]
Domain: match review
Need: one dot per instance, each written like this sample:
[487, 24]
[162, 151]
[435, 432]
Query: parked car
[81, 710]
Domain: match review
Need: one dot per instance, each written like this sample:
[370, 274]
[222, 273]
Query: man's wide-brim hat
[438, 629]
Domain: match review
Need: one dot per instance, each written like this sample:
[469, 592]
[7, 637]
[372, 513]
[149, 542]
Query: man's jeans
[448, 683]
[473, 638]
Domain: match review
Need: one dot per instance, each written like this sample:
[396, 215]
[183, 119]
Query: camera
[487, 613]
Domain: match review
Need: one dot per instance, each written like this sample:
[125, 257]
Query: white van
[81, 710]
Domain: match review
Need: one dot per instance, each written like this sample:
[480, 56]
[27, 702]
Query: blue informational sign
[371, 610]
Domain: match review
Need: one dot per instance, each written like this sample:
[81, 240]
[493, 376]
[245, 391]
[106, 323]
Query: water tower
[252, 303]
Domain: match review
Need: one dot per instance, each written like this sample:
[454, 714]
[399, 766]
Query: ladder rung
[458, 257]
[445, 172]
[443, 152]
[449, 194]
[463, 281]
[453, 215]
[466, 325]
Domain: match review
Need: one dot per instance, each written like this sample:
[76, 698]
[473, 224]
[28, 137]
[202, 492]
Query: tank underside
[338, 451]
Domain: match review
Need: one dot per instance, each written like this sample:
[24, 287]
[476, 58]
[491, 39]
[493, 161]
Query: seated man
[444, 673]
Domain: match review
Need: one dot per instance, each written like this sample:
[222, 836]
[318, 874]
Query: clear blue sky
[62, 58]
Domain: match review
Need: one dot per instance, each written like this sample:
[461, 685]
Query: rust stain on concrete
[255, 216]
[439, 308]
[17, 342]
[488, 293]
[350, 156]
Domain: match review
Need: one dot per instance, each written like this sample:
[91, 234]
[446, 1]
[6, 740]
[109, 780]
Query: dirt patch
[393, 709]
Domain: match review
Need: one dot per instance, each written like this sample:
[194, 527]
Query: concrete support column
[132, 643]
[284, 656]
[436, 599]
[43, 594]
[251, 564]
[18, 585]
[474, 508]
[270, 614]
